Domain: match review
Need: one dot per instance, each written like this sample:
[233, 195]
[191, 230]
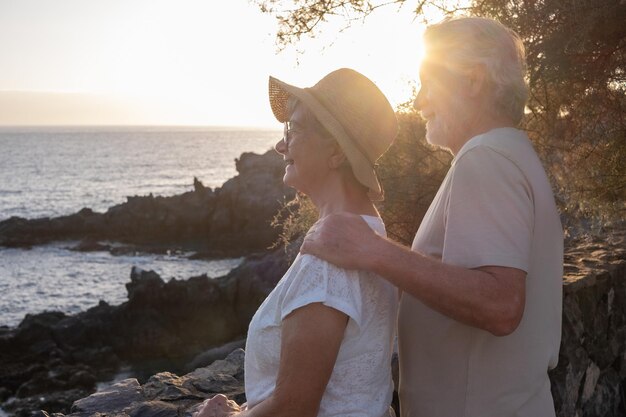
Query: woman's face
[306, 153]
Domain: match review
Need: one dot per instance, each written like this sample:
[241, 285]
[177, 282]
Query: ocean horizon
[51, 171]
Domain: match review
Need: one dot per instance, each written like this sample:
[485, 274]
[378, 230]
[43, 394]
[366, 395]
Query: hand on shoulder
[343, 239]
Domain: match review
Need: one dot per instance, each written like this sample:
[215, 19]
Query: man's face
[443, 104]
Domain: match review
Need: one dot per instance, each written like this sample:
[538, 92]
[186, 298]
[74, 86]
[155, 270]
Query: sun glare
[387, 48]
[195, 62]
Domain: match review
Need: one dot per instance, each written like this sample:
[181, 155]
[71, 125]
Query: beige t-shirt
[495, 207]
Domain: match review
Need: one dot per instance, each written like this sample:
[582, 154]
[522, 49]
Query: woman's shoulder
[375, 223]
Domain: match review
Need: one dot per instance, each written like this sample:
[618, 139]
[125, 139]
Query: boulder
[166, 394]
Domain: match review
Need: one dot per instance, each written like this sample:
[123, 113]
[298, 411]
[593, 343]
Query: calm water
[58, 171]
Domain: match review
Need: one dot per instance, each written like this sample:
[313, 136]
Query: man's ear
[477, 80]
[337, 157]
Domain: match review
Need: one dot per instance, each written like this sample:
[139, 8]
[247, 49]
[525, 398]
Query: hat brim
[363, 169]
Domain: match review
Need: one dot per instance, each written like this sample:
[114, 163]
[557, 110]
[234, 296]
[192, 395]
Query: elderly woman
[321, 343]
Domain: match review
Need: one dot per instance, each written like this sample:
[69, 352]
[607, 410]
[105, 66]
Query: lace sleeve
[317, 281]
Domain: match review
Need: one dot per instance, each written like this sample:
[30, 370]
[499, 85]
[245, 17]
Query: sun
[201, 64]
[386, 47]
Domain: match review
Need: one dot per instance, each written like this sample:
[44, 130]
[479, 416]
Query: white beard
[447, 126]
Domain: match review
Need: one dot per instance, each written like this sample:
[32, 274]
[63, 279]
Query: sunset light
[210, 208]
[166, 62]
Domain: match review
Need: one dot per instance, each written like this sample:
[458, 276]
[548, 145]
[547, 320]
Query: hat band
[347, 134]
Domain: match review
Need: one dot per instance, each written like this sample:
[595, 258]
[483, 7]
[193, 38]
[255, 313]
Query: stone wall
[590, 379]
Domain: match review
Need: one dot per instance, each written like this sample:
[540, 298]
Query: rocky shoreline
[52, 359]
[230, 221]
[55, 362]
[589, 380]
[161, 321]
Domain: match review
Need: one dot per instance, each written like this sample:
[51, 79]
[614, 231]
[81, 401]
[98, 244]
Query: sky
[179, 62]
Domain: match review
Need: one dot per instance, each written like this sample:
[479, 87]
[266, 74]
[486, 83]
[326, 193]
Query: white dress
[361, 384]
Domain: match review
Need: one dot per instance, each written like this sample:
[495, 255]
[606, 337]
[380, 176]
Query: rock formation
[166, 394]
[590, 379]
[231, 221]
[51, 359]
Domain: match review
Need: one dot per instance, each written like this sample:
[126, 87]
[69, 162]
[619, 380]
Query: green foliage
[294, 219]
[576, 51]
[411, 172]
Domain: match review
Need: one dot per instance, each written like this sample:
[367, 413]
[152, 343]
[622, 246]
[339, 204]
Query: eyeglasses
[293, 128]
[288, 131]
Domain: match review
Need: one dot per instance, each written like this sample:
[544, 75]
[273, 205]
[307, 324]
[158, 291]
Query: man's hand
[491, 298]
[342, 239]
[218, 406]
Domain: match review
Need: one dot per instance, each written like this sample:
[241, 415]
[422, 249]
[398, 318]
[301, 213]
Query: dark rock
[91, 245]
[82, 379]
[233, 220]
[145, 287]
[605, 399]
[42, 413]
[154, 409]
[165, 394]
[117, 398]
[14, 373]
[165, 386]
[589, 379]
[34, 334]
[53, 402]
[216, 384]
[248, 202]
[198, 187]
[208, 357]
[39, 384]
[4, 394]
[169, 323]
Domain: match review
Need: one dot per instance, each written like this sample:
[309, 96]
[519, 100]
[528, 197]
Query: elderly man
[480, 316]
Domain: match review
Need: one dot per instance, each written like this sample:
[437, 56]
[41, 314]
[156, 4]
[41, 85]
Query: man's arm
[491, 298]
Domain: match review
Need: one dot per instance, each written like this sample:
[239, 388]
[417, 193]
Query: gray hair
[469, 41]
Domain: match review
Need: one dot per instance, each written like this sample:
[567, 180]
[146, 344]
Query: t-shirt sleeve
[317, 281]
[489, 216]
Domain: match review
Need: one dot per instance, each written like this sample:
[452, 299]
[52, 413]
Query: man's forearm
[489, 298]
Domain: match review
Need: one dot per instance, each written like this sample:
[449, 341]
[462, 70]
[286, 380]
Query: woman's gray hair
[465, 42]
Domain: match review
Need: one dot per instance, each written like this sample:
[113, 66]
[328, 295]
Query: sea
[55, 171]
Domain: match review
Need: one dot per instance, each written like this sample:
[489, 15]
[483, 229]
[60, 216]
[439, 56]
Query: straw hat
[353, 110]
